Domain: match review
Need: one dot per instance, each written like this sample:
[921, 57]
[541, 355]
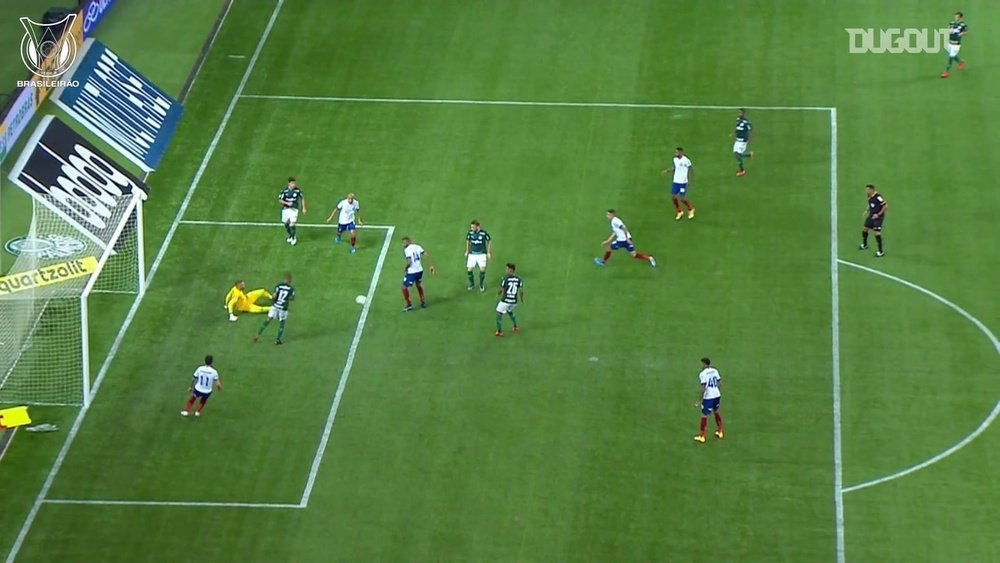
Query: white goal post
[79, 267]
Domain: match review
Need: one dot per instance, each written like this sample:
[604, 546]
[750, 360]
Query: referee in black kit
[877, 206]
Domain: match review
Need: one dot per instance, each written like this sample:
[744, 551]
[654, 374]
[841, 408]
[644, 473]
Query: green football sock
[288, 228]
[281, 329]
[482, 279]
[499, 323]
[739, 160]
[292, 230]
[513, 319]
[471, 279]
[263, 327]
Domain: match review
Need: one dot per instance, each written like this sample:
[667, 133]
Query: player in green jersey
[742, 136]
[956, 32]
[292, 201]
[511, 293]
[283, 296]
[478, 250]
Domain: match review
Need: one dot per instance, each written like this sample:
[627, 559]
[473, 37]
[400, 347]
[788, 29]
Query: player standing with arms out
[875, 214]
[284, 294]
[478, 251]
[511, 293]
[350, 213]
[239, 300]
[710, 396]
[682, 169]
[620, 238]
[956, 31]
[413, 272]
[292, 201]
[742, 135]
[205, 380]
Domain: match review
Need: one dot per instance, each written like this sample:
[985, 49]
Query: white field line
[71, 436]
[365, 100]
[982, 426]
[346, 373]
[838, 458]
[275, 224]
[181, 503]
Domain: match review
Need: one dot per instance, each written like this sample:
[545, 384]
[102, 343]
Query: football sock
[739, 160]
[354, 240]
[202, 404]
[291, 230]
[406, 296]
[641, 256]
[190, 402]
[499, 323]
[281, 329]
[263, 327]
[607, 255]
[687, 204]
[513, 319]
[704, 424]
[420, 290]
[718, 421]
[677, 205]
[864, 238]
[482, 279]
[878, 239]
[472, 278]
[950, 60]
[288, 228]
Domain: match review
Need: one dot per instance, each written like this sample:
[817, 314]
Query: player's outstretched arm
[430, 263]
[333, 214]
[608, 240]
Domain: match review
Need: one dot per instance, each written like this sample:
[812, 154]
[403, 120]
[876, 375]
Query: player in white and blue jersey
[620, 239]
[413, 272]
[710, 395]
[683, 171]
[205, 380]
[350, 218]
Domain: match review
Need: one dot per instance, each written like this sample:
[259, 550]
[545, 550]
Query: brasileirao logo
[896, 40]
[45, 246]
[45, 53]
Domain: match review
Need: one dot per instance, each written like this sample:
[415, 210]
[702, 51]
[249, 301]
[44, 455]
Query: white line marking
[237, 56]
[521, 103]
[838, 458]
[211, 43]
[189, 504]
[986, 422]
[71, 436]
[273, 224]
[346, 373]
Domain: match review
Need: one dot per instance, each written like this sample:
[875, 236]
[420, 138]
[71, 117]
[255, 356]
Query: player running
[413, 272]
[292, 201]
[874, 216]
[682, 169]
[478, 251]
[511, 293]
[238, 300]
[620, 238]
[742, 135]
[350, 218]
[205, 380]
[956, 32]
[710, 396]
[283, 296]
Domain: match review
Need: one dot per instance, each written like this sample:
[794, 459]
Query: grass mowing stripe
[523, 103]
[982, 426]
[346, 373]
[71, 436]
[838, 457]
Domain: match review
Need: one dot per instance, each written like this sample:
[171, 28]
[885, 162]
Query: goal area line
[274, 224]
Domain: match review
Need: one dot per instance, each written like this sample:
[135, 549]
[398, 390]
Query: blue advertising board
[121, 106]
[93, 11]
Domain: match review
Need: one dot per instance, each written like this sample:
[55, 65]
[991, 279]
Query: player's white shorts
[740, 147]
[276, 313]
[504, 307]
[953, 49]
[289, 215]
[474, 260]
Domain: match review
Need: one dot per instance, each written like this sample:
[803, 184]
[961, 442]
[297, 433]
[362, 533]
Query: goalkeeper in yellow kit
[239, 301]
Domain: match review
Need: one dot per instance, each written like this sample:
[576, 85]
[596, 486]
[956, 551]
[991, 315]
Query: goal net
[63, 284]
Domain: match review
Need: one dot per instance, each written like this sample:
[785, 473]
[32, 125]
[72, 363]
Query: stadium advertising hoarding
[69, 175]
[121, 106]
[19, 114]
[92, 12]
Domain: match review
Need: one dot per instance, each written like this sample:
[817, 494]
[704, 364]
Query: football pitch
[860, 392]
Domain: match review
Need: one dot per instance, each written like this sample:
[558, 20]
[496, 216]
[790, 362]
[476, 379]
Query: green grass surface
[572, 440]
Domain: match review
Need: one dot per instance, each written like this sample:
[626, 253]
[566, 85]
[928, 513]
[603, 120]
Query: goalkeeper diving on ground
[238, 300]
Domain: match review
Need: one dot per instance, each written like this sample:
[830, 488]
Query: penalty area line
[266, 224]
[180, 503]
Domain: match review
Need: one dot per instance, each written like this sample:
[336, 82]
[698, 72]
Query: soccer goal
[73, 272]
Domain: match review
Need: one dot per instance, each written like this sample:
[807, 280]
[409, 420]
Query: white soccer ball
[360, 300]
